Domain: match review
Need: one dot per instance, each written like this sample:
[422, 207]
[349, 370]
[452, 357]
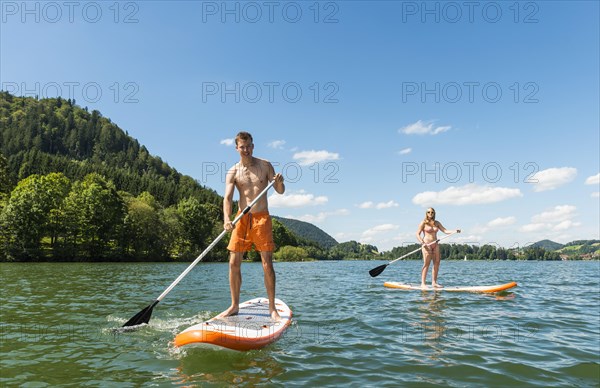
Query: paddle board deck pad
[485, 289]
[251, 328]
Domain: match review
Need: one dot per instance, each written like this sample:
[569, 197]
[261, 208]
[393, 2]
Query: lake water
[57, 324]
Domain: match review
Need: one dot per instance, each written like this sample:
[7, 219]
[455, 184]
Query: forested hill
[56, 135]
[309, 232]
[548, 245]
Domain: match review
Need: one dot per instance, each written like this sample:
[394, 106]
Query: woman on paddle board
[427, 236]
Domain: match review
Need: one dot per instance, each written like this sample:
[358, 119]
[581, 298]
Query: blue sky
[373, 111]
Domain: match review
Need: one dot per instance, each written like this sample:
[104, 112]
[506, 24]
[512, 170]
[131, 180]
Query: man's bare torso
[250, 180]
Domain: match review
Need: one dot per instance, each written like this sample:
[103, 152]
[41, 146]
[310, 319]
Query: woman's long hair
[432, 218]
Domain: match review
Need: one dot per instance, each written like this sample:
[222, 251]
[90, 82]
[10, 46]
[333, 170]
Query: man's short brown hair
[243, 136]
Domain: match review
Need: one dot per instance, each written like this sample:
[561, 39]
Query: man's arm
[228, 198]
[279, 186]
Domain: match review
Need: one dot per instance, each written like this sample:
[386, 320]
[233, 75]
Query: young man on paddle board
[426, 234]
[250, 177]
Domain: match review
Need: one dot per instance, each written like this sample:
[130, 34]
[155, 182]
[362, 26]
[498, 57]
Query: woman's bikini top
[430, 229]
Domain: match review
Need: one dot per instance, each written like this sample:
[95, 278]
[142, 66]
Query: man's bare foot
[423, 286]
[437, 285]
[275, 316]
[233, 310]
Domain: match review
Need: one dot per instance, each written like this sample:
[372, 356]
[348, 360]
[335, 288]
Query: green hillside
[547, 245]
[309, 232]
[55, 135]
[581, 249]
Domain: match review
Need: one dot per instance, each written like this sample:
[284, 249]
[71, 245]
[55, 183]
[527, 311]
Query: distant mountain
[308, 231]
[547, 245]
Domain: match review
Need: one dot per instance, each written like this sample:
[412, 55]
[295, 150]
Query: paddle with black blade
[144, 315]
[378, 270]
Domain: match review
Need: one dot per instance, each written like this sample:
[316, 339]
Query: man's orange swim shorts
[252, 228]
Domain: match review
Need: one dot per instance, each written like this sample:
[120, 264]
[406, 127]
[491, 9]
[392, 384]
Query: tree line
[51, 218]
[475, 252]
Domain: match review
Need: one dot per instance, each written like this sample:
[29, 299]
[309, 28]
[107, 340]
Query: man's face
[245, 148]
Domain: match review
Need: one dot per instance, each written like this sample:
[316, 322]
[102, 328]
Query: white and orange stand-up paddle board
[485, 289]
[251, 328]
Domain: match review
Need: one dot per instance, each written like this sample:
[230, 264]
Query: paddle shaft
[418, 249]
[212, 245]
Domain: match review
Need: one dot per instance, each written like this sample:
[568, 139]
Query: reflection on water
[442, 323]
[225, 367]
[504, 295]
[431, 312]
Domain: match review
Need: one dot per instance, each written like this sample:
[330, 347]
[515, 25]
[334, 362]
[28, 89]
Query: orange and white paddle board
[251, 328]
[485, 289]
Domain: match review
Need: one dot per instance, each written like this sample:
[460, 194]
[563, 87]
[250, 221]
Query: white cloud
[378, 206]
[378, 229]
[386, 205]
[320, 217]
[405, 151]
[557, 219]
[423, 128]
[557, 214]
[534, 227]
[470, 194]
[277, 144]
[552, 178]
[565, 225]
[306, 158]
[228, 142]
[593, 180]
[501, 221]
[299, 199]
[596, 194]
